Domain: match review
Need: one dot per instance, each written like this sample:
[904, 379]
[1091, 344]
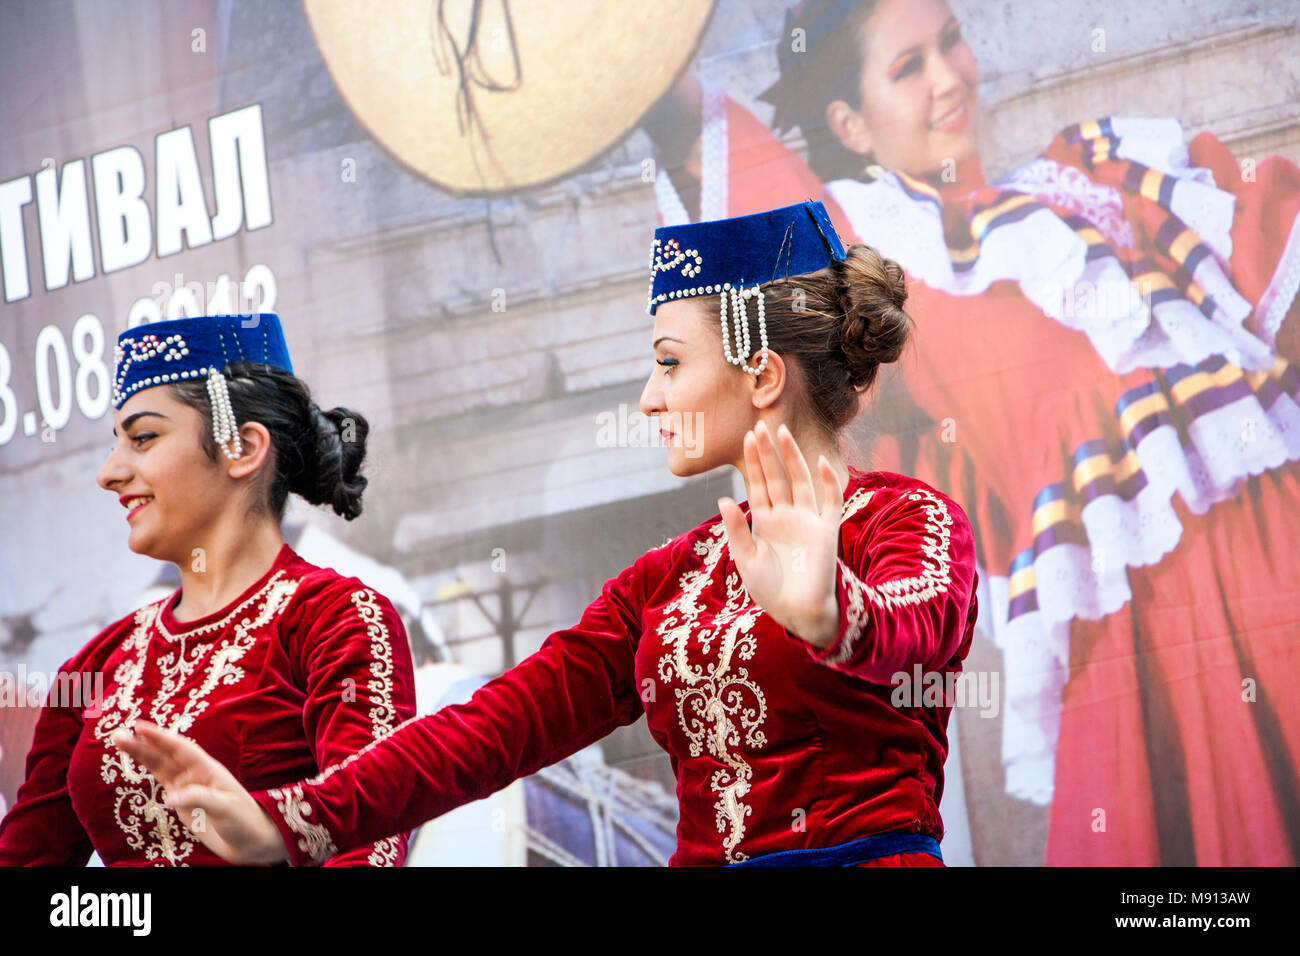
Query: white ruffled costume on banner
[1048, 259]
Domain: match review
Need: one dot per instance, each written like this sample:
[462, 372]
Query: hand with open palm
[210, 802]
[787, 559]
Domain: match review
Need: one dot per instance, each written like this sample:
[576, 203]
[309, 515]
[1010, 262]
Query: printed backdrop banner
[449, 204]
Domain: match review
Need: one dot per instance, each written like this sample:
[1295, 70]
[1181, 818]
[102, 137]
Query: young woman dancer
[1106, 377]
[277, 667]
[774, 648]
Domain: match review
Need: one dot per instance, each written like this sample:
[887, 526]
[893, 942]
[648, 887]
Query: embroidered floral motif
[223, 667]
[901, 592]
[717, 705]
[671, 255]
[720, 708]
[302, 808]
[315, 840]
[383, 715]
[856, 610]
[857, 501]
[217, 625]
[128, 351]
[139, 812]
[384, 852]
[855, 613]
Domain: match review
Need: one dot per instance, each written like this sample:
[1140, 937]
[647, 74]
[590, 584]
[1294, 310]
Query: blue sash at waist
[850, 854]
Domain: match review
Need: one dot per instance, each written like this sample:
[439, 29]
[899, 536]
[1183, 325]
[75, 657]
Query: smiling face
[173, 492]
[704, 406]
[918, 89]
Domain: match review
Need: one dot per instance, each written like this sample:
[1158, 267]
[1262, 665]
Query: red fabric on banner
[1154, 728]
[1160, 684]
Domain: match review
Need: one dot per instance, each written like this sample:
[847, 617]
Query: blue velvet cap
[174, 350]
[703, 258]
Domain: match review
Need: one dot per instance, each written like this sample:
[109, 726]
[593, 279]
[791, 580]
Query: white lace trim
[1035, 674]
[1128, 334]
[1221, 454]
[1276, 301]
[1158, 142]
[1048, 259]
[1099, 203]
[1225, 447]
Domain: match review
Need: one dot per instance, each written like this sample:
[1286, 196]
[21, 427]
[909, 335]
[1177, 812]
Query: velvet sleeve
[41, 828]
[576, 689]
[360, 686]
[906, 590]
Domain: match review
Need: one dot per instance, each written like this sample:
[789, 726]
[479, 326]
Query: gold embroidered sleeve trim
[383, 713]
[314, 839]
[932, 581]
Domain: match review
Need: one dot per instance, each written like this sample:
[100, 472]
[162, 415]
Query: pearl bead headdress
[225, 430]
[175, 350]
[730, 257]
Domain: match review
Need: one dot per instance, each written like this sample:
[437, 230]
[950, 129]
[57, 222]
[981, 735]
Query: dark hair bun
[333, 451]
[318, 454]
[875, 327]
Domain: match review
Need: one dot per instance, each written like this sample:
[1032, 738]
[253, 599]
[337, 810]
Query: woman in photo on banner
[1105, 375]
[277, 667]
[763, 646]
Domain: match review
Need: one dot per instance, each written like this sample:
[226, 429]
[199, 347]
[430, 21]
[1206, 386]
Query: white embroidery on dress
[302, 809]
[385, 852]
[148, 823]
[721, 708]
[315, 840]
[857, 501]
[716, 704]
[930, 583]
[383, 715]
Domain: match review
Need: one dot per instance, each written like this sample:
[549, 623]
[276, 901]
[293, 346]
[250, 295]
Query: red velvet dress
[1132, 475]
[775, 745]
[302, 669]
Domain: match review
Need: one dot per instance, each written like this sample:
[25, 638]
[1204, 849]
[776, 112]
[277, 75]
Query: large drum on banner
[489, 96]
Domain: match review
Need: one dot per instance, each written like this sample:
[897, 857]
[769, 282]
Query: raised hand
[787, 559]
[210, 802]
